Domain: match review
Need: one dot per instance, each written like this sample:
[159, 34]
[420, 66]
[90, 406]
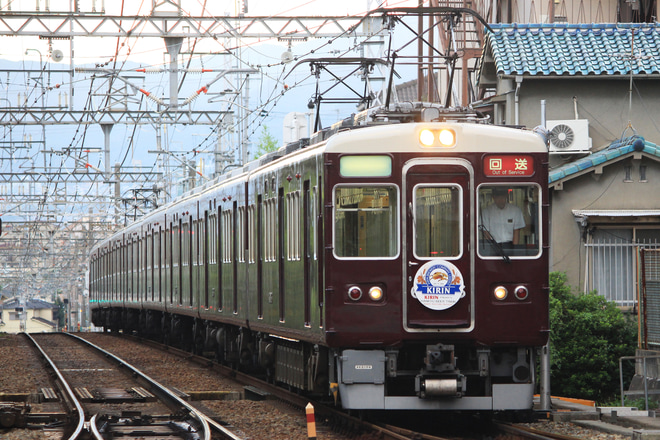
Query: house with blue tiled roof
[596, 88]
[595, 80]
[605, 217]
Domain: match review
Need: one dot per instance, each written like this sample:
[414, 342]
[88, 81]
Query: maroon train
[358, 264]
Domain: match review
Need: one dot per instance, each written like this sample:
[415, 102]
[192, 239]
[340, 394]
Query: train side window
[158, 263]
[240, 234]
[365, 222]
[293, 225]
[185, 245]
[175, 245]
[195, 242]
[508, 218]
[270, 229]
[252, 234]
[213, 238]
[437, 224]
[312, 222]
[226, 236]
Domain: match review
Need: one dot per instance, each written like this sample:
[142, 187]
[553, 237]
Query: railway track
[517, 432]
[340, 421]
[107, 397]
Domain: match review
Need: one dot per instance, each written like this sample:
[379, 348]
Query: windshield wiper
[497, 246]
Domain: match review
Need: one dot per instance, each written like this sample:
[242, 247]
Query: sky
[150, 51]
[271, 94]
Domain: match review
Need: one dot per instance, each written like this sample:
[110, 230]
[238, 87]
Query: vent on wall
[569, 136]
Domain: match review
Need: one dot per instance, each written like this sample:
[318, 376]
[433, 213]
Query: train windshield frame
[508, 221]
[366, 221]
[437, 223]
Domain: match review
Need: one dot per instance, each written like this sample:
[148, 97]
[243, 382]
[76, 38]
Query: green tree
[267, 143]
[60, 313]
[588, 336]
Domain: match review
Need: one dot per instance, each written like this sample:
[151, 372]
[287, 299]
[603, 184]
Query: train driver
[502, 221]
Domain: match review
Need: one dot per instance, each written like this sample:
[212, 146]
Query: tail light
[521, 293]
[354, 293]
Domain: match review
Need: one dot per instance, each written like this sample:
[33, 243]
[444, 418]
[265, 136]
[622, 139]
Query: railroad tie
[143, 394]
[84, 394]
[49, 395]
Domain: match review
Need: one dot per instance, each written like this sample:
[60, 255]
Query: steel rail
[162, 390]
[67, 388]
[531, 433]
[94, 430]
[321, 410]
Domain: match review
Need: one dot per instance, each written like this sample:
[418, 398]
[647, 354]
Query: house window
[628, 174]
[612, 258]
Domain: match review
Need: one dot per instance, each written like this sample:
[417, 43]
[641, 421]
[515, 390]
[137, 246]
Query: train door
[438, 245]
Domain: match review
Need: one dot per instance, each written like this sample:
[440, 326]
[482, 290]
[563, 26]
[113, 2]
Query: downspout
[519, 80]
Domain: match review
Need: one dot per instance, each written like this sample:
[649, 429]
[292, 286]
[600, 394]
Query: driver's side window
[508, 218]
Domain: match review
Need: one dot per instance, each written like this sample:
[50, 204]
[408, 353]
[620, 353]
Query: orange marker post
[311, 422]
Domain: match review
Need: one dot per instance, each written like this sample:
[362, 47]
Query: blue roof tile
[574, 49]
[616, 149]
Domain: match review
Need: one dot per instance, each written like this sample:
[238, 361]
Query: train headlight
[376, 293]
[447, 137]
[426, 137]
[521, 292]
[354, 293]
[500, 292]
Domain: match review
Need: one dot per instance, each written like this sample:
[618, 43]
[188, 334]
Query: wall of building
[570, 11]
[12, 322]
[604, 102]
[606, 191]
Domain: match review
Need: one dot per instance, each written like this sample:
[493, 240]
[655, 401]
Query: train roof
[469, 139]
[367, 132]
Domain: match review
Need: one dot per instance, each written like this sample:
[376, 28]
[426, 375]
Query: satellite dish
[57, 55]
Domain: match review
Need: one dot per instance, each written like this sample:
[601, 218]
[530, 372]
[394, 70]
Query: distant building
[34, 315]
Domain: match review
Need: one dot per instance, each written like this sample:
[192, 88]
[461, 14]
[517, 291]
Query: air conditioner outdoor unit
[569, 136]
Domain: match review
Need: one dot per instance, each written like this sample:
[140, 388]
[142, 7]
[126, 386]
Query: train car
[364, 263]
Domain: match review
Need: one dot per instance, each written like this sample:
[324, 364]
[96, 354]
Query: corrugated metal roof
[574, 49]
[616, 149]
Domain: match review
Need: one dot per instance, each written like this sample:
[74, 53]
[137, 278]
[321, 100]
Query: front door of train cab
[438, 245]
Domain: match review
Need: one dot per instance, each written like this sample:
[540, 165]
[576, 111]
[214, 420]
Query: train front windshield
[437, 222]
[509, 221]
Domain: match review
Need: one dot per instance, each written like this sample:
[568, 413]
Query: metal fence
[650, 297]
[612, 269]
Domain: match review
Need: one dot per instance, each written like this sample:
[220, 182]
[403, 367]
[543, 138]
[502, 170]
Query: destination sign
[509, 166]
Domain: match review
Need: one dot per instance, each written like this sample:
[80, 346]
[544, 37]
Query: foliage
[60, 313]
[267, 143]
[588, 336]
[639, 403]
